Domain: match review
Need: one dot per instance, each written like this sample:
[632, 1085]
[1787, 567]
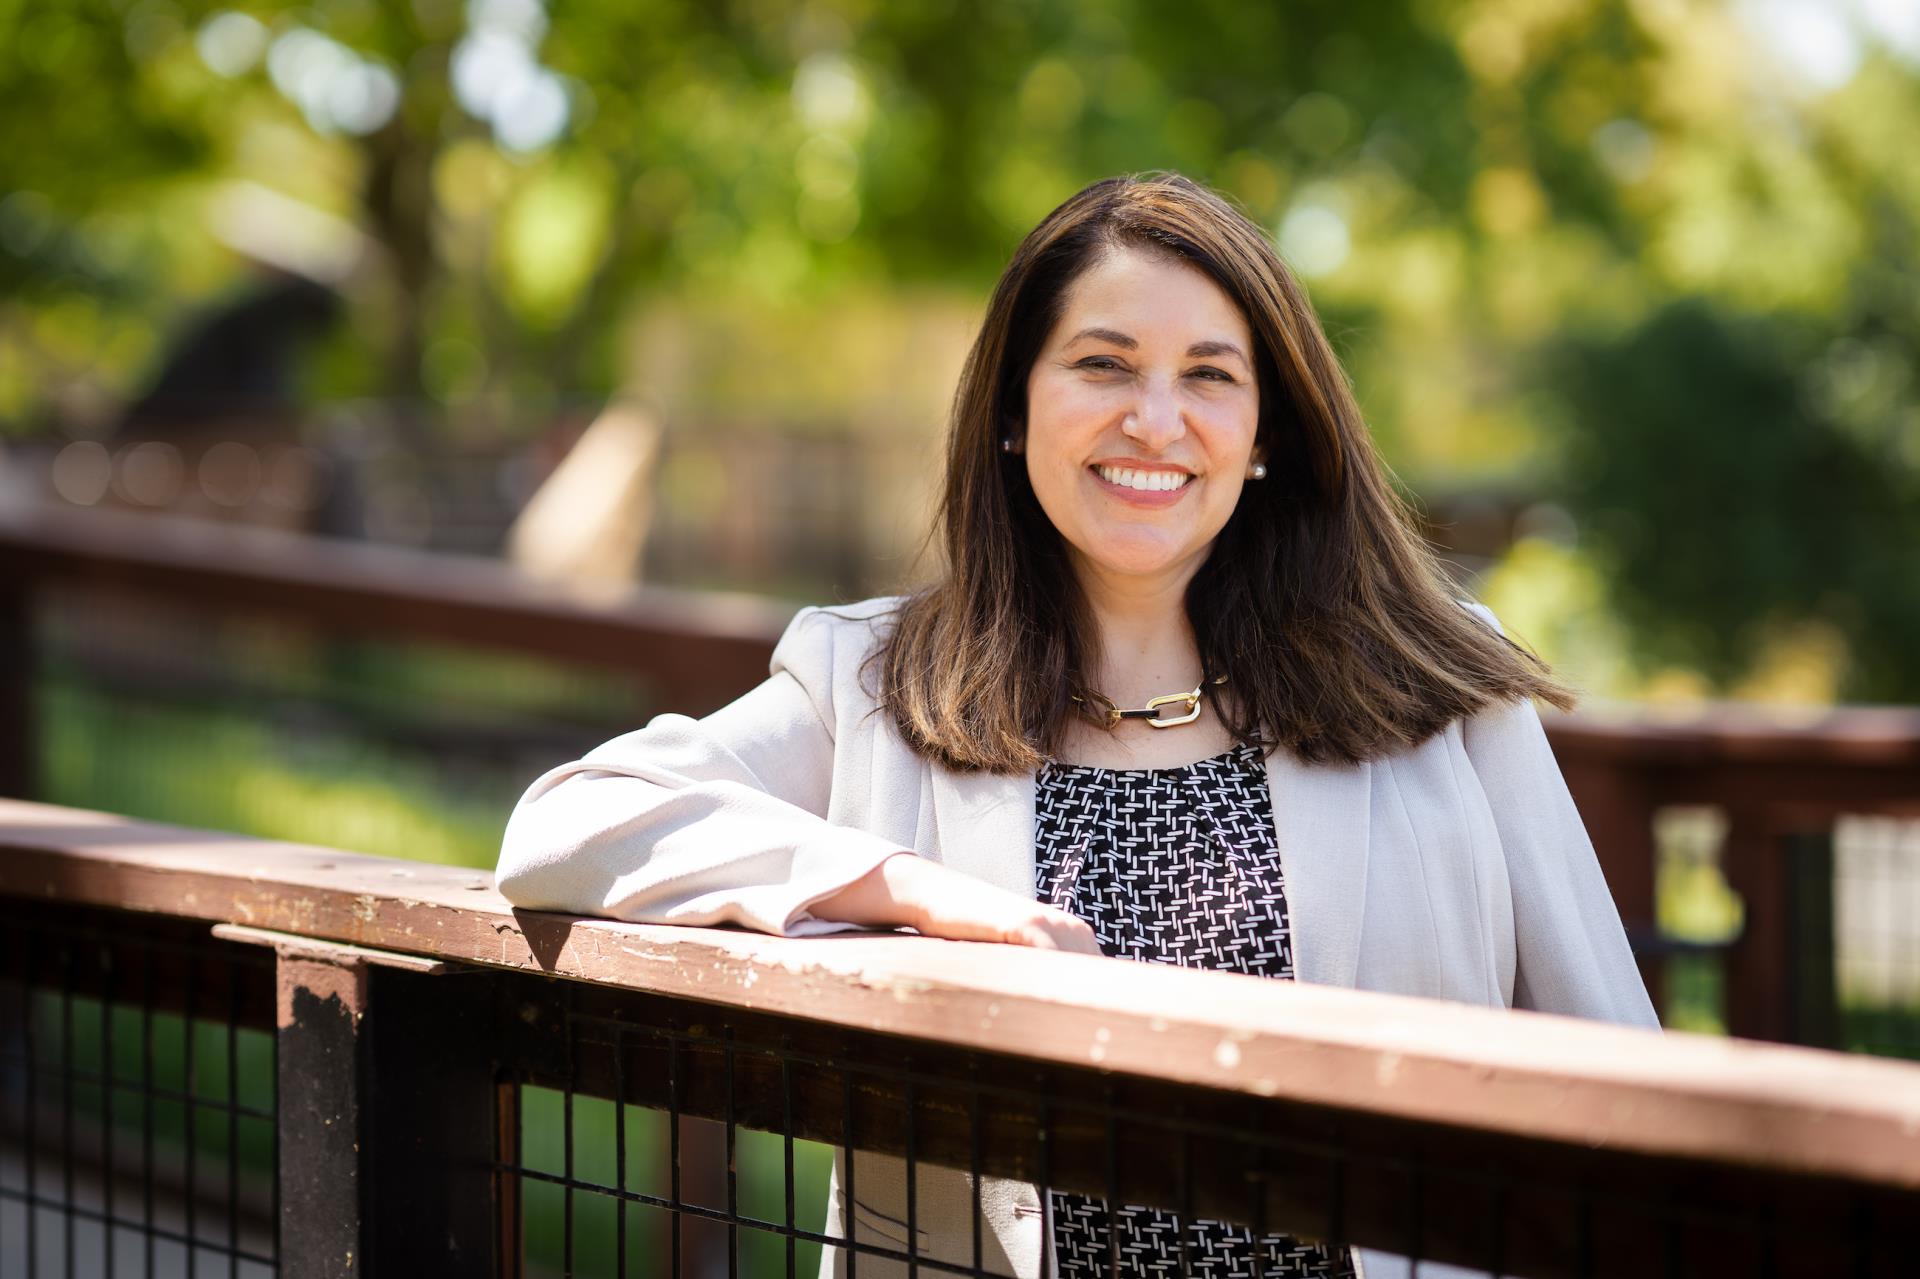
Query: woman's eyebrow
[1198, 351]
[1202, 350]
[1105, 335]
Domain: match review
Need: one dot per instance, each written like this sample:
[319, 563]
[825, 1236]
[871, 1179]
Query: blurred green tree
[1733, 493]
[1461, 182]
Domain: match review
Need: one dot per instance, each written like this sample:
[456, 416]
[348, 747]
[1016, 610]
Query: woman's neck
[1147, 648]
[1146, 643]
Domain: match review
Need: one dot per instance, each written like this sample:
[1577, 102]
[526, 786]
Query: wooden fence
[418, 1032]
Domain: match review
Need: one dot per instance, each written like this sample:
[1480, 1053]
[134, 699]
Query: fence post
[1812, 989]
[371, 1112]
[431, 1186]
[321, 1013]
[19, 666]
[1753, 859]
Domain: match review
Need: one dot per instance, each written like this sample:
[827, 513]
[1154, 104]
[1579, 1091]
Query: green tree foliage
[1717, 463]
[1461, 183]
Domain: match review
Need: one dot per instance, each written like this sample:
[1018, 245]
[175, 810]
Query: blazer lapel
[1321, 815]
[984, 823]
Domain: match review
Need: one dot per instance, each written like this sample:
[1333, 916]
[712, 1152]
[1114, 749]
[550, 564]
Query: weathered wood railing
[415, 1010]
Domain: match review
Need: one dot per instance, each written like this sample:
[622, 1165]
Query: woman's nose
[1155, 421]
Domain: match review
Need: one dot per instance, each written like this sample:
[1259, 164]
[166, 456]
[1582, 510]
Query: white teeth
[1147, 481]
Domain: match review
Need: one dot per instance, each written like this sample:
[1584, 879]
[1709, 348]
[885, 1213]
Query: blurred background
[676, 293]
[1628, 289]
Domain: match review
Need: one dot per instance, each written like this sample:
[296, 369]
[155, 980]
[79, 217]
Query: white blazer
[1457, 869]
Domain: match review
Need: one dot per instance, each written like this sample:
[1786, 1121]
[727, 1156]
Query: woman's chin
[1133, 561]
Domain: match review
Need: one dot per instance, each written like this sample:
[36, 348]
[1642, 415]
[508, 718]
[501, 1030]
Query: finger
[1034, 935]
[1072, 934]
[1075, 933]
[1085, 943]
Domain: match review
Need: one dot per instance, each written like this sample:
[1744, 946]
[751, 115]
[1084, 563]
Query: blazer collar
[1321, 816]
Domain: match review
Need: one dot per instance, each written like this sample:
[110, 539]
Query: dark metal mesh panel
[137, 1098]
[641, 1136]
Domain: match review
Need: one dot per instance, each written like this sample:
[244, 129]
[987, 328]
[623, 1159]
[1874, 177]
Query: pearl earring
[1258, 472]
[1006, 444]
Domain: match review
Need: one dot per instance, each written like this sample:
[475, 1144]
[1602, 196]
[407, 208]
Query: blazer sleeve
[1572, 955]
[719, 820]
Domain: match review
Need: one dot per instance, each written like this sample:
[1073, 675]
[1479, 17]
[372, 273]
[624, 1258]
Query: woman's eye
[1107, 364]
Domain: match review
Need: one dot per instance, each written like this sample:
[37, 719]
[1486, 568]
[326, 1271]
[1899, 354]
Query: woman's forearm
[881, 898]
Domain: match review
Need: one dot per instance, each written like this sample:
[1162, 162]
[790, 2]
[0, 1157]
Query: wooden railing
[415, 1007]
[1781, 781]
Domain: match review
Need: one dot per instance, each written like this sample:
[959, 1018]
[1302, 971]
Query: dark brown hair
[1320, 601]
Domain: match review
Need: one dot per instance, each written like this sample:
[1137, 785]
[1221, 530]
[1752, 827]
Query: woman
[1192, 691]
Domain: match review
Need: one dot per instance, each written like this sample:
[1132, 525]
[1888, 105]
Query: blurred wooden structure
[1783, 778]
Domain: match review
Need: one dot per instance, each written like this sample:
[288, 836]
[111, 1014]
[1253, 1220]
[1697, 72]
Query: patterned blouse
[1171, 866]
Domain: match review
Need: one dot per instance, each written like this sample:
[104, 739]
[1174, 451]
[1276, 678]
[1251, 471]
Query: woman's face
[1141, 414]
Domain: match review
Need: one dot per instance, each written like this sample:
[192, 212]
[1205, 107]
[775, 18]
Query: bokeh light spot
[150, 474]
[231, 43]
[1314, 239]
[81, 472]
[230, 473]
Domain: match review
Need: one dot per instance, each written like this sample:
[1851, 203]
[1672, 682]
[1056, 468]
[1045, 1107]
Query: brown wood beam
[696, 649]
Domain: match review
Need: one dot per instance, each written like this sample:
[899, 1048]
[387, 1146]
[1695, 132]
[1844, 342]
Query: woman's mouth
[1145, 481]
[1139, 486]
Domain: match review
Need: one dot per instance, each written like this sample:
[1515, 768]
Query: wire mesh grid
[137, 1099]
[648, 1137]
[1877, 927]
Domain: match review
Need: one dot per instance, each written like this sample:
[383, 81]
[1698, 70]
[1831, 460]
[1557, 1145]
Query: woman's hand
[938, 902]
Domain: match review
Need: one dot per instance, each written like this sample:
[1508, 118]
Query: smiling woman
[1192, 691]
[1146, 331]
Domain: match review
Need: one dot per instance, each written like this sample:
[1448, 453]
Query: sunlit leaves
[551, 237]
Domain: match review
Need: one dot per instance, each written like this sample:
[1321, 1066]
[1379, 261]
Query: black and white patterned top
[1171, 866]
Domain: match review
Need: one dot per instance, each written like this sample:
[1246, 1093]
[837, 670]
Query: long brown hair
[1319, 601]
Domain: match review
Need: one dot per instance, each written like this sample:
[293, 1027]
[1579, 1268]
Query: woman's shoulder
[1484, 613]
[1506, 729]
[861, 622]
[867, 612]
[825, 640]
[1499, 726]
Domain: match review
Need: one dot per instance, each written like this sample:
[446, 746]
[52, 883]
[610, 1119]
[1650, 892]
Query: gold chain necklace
[1101, 709]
